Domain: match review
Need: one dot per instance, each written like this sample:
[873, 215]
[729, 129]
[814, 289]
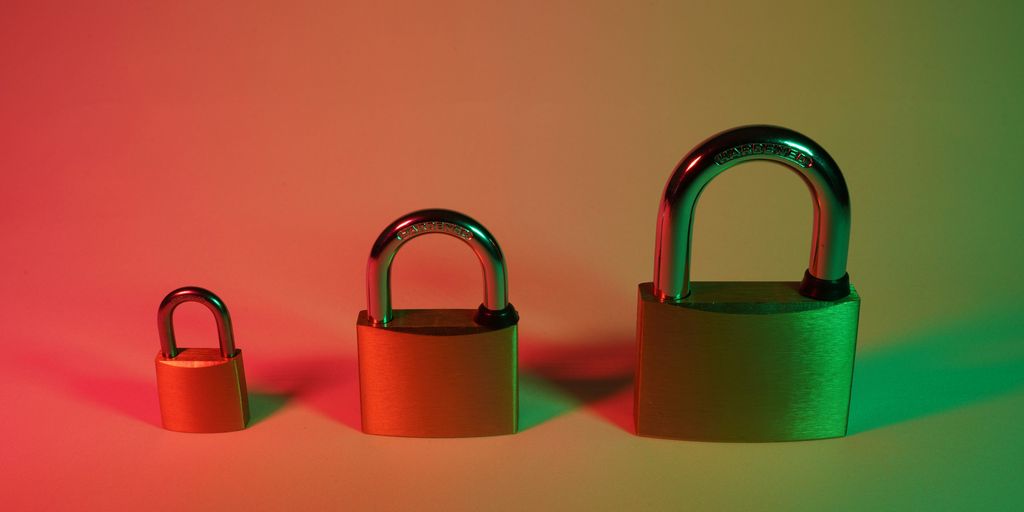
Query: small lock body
[748, 361]
[438, 372]
[200, 389]
[745, 361]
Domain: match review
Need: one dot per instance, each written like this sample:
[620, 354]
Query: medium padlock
[438, 372]
[200, 389]
[748, 361]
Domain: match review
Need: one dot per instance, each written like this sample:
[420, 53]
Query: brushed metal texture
[437, 373]
[201, 391]
[744, 361]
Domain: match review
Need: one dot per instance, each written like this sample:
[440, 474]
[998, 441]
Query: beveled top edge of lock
[165, 316]
[433, 322]
[201, 356]
[746, 297]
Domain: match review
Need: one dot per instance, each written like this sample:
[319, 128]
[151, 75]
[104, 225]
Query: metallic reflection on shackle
[826, 277]
[168, 346]
[407, 227]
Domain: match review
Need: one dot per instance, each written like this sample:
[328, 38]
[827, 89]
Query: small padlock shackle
[495, 310]
[164, 319]
[826, 277]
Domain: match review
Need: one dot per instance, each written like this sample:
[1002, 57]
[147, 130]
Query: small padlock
[200, 389]
[438, 372]
[748, 361]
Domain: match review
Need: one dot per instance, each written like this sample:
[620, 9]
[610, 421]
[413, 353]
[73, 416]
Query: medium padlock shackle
[826, 277]
[495, 310]
[164, 319]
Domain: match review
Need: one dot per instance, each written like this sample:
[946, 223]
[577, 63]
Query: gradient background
[257, 149]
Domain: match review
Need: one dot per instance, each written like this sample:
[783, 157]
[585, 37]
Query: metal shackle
[164, 319]
[495, 310]
[826, 277]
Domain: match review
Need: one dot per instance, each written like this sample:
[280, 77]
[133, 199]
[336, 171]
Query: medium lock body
[200, 389]
[438, 372]
[748, 361]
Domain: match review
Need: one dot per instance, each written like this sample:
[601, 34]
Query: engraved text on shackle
[435, 227]
[782, 150]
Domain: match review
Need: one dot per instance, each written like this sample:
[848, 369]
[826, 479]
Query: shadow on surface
[89, 378]
[263, 405]
[330, 385]
[937, 370]
[135, 398]
[556, 379]
[941, 369]
[132, 398]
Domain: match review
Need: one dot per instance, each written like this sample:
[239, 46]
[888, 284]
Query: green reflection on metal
[798, 146]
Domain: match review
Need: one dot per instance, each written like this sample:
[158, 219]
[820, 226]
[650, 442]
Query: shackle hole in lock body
[495, 310]
[825, 277]
[165, 319]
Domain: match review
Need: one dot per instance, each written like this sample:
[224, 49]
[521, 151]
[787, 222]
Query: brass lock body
[200, 389]
[748, 361]
[438, 372]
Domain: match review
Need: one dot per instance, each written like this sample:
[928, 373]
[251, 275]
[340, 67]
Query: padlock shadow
[134, 398]
[263, 404]
[556, 379]
[327, 384]
[940, 369]
[138, 399]
[75, 376]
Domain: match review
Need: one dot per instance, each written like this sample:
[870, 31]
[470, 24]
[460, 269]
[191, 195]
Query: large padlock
[748, 361]
[438, 372]
[200, 389]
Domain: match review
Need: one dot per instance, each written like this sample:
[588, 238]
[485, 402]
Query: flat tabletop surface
[257, 150]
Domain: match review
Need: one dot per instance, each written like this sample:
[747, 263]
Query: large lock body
[437, 373]
[744, 361]
[202, 391]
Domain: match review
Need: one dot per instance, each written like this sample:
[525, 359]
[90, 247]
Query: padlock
[438, 372]
[200, 389]
[748, 361]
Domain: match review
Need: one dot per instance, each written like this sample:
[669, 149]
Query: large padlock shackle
[164, 319]
[494, 311]
[826, 277]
